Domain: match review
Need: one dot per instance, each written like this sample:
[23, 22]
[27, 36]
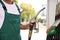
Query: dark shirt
[57, 17]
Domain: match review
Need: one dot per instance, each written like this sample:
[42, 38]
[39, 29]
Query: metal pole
[32, 24]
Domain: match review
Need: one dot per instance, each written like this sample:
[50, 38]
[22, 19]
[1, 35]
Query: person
[9, 20]
[56, 24]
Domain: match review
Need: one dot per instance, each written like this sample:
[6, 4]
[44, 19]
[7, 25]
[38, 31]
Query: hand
[47, 31]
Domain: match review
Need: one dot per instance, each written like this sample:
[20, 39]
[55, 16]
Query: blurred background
[29, 9]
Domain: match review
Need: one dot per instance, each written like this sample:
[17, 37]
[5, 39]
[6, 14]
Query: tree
[16, 1]
[28, 11]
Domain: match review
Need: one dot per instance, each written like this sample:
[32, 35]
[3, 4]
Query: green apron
[11, 27]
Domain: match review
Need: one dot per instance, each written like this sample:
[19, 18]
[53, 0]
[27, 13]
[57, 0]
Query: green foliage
[16, 1]
[27, 11]
[40, 20]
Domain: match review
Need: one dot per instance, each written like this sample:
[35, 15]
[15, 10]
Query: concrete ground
[41, 35]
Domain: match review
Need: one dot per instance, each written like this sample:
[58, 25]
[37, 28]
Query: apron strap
[5, 9]
[18, 8]
[3, 5]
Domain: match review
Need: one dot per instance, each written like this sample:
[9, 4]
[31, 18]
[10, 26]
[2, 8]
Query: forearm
[27, 26]
[23, 27]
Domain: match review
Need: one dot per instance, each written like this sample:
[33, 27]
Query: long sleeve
[2, 15]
